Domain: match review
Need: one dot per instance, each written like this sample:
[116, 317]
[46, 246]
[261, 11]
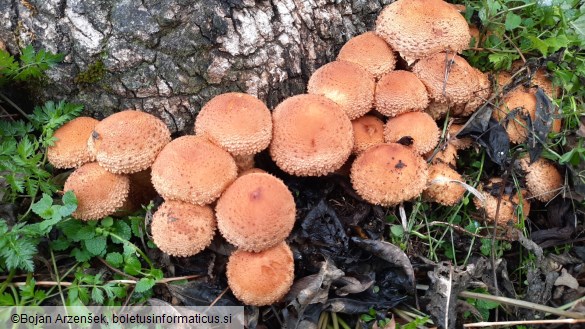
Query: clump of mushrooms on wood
[359, 112]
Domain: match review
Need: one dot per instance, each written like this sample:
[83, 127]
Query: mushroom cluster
[361, 111]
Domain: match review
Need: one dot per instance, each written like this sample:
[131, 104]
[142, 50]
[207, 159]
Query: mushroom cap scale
[239, 123]
[256, 212]
[312, 136]
[192, 169]
[543, 179]
[70, 149]
[261, 278]
[347, 84]
[388, 174]
[99, 192]
[399, 92]
[128, 141]
[182, 229]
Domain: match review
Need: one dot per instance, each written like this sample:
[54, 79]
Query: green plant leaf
[43, 207]
[512, 21]
[96, 245]
[115, 259]
[144, 284]
[69, 204]
[132, 265]
[81, 255]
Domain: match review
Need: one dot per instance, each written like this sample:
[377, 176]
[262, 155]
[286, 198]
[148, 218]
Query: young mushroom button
[70, 148]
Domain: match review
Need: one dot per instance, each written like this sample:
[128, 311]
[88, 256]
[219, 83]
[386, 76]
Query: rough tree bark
[169, 57]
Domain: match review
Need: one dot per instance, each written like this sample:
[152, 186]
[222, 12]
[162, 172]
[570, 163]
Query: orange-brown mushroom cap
[312, 136]
[256, 212]
[459, 143]
[261, 278]
[182, 229]
[194, 170]
[367, 131]
[70, 148]
[418, 28]
[388, 174]
[370, 52]
[543, 179]
[128, 141]
[399, 92]
[99, 192]
[240, 123]
[516, 126]
[441, 186]
[347, 84]
[416, 125]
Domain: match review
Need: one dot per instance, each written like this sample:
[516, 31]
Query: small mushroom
[261, 278]
[256, 212]
[347, 84]
[543, 179]
[398, 92]
[370, 52]
[127, 142]
[367, 131]
[419, 128]
[441, 186]
[510, 208]
[99, 192]
[523, 103]
[182, 229]
[70, 148]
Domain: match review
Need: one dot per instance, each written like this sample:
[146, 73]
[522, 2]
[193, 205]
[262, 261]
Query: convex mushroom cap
[182, 229]
[442, 187]
[256, 212]
[388, 174]
[370, 52]
[261, 278]
[419, 128]
[347, 84]
[312, 136]
[524, 104]
[192, 169]
[128, 141]
[543, 179]
[510, 208]
[239, 123]
[399, 92]
[367, 131]
[70, 148]
[419, 28]
[99, 193]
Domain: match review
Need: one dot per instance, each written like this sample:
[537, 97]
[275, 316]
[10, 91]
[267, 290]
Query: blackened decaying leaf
[360, 306]
[553, 236]
[489, 133]
[540, 126]
[406, 141]
[389, 253]
[201, 293]
[352, 284]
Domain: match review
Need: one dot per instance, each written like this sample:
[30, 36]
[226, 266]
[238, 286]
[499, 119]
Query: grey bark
[169, 57]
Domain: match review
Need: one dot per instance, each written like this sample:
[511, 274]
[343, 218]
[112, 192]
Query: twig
[447, 306]
[216, 299]
[117, 270]
[7, 100]
[523, 322]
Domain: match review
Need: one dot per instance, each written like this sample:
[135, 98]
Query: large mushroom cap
[367, 131]
[347, 84]
[70, 148]
[418, 127]
[524, 104]
[543, 179]
[99, 192]
[418, 28]
[128, 141]
[370, 52]
[312, 136]
[388, 174]
[441, 186]
[182, 229]
[399, 92]
[192, 169]
[261, 278]
[448, 78]
[239, 123]
[256, 212]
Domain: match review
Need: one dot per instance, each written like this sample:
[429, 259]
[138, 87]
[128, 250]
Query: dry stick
[117, 270]
[216, 299]
[524, 322]
[448, 296]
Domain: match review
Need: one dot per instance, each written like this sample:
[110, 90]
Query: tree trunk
[169, 57]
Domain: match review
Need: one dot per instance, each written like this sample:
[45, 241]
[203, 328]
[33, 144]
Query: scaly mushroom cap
[541, 79]
[370, 52]
[367, 131]
[182, 229]
[456, 87]
[239, 123]
[347, 84]
[399, 92]
[312, 136]
[479, 97]
[388, 174]
[261, 278]
[194, 170]
[543, 180]
[509, 207]
[99, 192]
[459, 143]
[419, 28]
[437, 110]
[416, 125]
[447, 155]
[70, 149]
[440, 187]
[517, 127]
[256, 212]
[128, 141]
